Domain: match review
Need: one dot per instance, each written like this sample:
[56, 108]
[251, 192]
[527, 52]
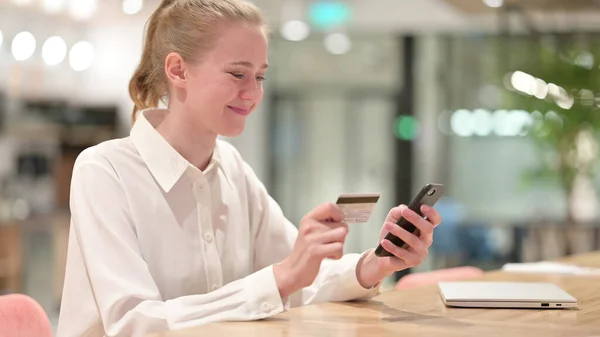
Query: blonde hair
[186, 27]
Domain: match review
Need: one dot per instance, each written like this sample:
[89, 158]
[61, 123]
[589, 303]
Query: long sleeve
[274, 239]
[127, 298]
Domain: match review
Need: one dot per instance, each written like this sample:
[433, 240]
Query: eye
[237, 75]
[260, 78]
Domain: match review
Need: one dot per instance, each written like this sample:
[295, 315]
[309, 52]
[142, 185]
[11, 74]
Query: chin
[232, 131]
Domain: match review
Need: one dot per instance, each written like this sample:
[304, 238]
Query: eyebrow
[247, 64]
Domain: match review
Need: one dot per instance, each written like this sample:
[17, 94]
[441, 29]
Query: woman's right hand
[321, 235]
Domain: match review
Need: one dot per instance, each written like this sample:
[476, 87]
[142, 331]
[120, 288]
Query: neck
[196, 146]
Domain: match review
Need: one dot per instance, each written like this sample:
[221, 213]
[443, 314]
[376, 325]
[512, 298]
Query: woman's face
[221, 90]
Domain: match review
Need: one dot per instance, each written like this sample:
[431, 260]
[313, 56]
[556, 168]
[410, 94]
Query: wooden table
[421, 312]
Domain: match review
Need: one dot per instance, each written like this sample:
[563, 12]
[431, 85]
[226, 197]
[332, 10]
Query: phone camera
[431, 192]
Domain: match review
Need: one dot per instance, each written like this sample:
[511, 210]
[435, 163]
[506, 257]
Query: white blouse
[156, 244]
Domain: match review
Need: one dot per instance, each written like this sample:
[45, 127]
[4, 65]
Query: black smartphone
[429, 195]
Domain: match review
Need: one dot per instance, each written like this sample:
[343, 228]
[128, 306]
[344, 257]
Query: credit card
[357, 207]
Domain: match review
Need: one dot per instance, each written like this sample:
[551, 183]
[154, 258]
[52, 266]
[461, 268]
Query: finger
[411, 259]
[337, 234]
[427, 239]
[334, 225]
[396, 213]
[312, 228]
[334, 250]
[327, 212]
[432, 215]
[410, 239]
[424, 226]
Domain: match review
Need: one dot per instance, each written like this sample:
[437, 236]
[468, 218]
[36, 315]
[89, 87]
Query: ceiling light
[462, 123]
[81, 56]
[53, 6]
[132, 7]
[523, 82]
[82, 9]
[54, 50]
[22, 2]
[338, 43]
[585, 60]
[494, 3]
[295, 30]
[23, 46]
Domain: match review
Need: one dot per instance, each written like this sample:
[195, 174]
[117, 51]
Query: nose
[252, 91]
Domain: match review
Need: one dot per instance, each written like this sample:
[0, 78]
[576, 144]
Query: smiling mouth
[239, 111]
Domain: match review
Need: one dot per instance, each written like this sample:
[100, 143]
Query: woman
[172, 229]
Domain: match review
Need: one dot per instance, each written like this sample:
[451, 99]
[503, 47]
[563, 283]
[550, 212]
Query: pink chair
[22, 316]
[416, 280]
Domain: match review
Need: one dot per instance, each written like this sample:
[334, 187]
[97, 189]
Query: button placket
[211, 256]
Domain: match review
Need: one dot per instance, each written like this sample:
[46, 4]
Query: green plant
[559, 84]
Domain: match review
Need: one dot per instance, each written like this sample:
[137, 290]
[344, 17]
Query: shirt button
[208, 237]
[265, 307]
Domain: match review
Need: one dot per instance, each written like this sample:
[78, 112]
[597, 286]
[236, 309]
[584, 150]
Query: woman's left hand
[374, 269]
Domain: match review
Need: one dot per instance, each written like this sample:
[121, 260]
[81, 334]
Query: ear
[175, 69]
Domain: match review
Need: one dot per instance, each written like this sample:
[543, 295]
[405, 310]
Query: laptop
[505, 295]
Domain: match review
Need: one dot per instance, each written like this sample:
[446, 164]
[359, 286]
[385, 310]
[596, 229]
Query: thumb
[327, 211]
[395, 213]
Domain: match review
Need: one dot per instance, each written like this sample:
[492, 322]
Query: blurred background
[498, 100]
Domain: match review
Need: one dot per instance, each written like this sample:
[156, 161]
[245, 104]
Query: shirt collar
[164, 162]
